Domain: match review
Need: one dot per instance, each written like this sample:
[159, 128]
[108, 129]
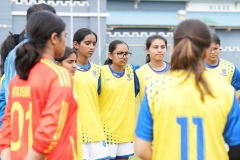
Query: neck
[212, 62]
[82, 60]
[48, 53]
[117, 68]
[157, 65]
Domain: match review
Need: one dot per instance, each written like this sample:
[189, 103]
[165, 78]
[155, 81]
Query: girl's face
[213, 53]
[157, 50]
[70, 63]
[120, 55]
[60, 44]
[87, 46]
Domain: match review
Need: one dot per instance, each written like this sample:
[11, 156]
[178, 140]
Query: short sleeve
[231, 132]
[136, 82]
[236, 79]
[144, 129]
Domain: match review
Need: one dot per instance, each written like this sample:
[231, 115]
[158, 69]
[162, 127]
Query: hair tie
[16, 37]
[188, 37]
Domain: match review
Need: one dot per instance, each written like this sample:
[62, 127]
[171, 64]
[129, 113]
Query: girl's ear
[110, 55]
[58, 63]
[54, 38]
[76, 45]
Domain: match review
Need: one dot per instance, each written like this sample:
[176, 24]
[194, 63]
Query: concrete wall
[85, 15]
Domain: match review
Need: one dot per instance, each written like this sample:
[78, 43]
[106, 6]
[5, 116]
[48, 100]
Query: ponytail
[108, 61]
[188, 56]
[26, 57]
[147, 58]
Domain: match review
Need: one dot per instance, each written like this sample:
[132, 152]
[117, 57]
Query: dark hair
[41, 27]
[215, 39]
[149, 41]
[80, 34]
[39, 7]
[112, 46]
[191, 38]
[9, 44]
[68, 51]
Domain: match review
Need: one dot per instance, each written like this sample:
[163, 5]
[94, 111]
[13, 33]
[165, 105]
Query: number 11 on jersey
[183, 122]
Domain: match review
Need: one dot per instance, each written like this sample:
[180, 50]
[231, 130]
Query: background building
[133, 21]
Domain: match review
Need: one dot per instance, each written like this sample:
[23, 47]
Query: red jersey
[41, 113]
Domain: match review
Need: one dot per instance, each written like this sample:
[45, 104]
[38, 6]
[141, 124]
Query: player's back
[184, 126]
[40, 117]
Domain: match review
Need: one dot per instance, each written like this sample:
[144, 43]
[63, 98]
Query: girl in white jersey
[119, 86]
[86, 82]
[156, 47]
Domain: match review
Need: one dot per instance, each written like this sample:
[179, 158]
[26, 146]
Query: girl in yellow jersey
[156, 47]
[186, 111]
[119, 86]
[221, 67]
[86, 82]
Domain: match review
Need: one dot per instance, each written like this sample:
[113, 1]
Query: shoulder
[134, 67]
[226, 63]
[47, 67]
[142, 68]
[94, 66]
[104, 68]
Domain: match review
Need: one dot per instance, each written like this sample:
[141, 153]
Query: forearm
[147, 155]
[6, 154]
[143, 149]
[34, 155]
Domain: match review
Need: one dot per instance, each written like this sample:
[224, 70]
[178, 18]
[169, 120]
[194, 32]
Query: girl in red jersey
[41, 115]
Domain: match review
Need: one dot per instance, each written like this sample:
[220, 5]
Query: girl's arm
[143, 149]
[34, 155]
[6, 154]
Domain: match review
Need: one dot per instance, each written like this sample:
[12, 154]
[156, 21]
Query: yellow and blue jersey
[183, 126]
[86, 82]
[227, 71]
[145, 74]
[117, 103]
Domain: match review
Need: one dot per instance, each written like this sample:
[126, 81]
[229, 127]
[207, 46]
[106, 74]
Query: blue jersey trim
[236, 79]
[144, 129]
[99, 85]
[103, 158]
[160, 71]
[84, 68]
[231, 132]
[117, 74]
[210, 66]
[125, 156]
[136, 82]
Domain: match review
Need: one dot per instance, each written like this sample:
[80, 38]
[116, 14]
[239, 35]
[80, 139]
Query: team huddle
[57, 104]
